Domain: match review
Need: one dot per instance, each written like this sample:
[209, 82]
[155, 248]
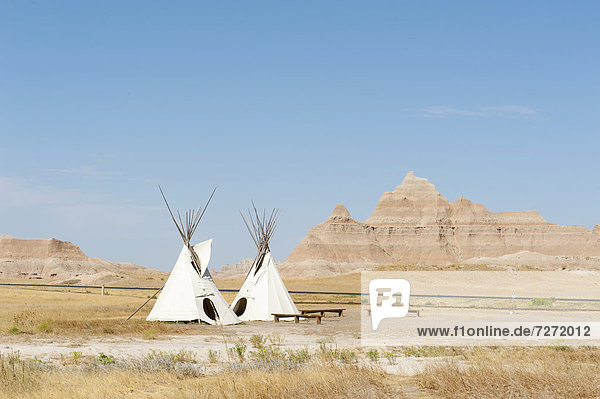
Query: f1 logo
[388, 298]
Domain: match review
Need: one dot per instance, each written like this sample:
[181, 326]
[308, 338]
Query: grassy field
[164, 375]
[258, 366]
[265, 371]
[551, 372]
[58, 312]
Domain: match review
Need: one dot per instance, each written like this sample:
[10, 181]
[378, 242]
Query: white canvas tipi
[263, 291]
[189, 296]
[190, 292]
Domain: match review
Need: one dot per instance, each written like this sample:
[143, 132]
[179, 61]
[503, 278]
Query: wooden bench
[297, 317]
[339, 311]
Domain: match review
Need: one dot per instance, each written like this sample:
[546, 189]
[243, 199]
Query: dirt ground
[342, 332]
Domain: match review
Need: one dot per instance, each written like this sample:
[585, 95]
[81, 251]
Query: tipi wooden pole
[144, 304]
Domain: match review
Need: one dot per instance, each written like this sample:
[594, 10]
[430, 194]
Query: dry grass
[323, 381]
[177, 375]
[329, 372]
[552, 372]
[46, 313]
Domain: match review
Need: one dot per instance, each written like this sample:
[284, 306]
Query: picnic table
[339, 311]
[297, 317]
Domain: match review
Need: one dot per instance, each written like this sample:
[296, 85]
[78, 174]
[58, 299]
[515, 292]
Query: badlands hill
[416, 225]
[238, 270]
[58, 260]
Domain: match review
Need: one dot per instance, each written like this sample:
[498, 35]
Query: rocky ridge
[416, 225]
[57, 260]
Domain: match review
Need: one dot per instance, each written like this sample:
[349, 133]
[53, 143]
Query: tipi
[263, 291]
[190, 292]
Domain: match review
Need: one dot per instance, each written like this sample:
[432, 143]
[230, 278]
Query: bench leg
[276, 319]
[318, 320]
[296, 319]
[340, 313]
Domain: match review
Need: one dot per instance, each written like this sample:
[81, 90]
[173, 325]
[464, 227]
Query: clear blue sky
[297, 105]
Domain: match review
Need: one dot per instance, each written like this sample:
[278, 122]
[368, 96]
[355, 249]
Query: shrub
[299, 356]
[391, 357]
[182, 356]
[239, 350]
[542, 301]
[14, 330]
[373, 355]
[150, 333]
[276, 338]
[268, 354]
[105, 359]
[74, 357]
[213, 356]
[347, 356]
[258, 341]
[46, 326]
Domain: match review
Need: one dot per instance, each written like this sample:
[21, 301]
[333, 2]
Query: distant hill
[52, 259]
[239, 270]
[416, 225]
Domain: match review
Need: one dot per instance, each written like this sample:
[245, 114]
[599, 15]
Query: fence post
[102, 291]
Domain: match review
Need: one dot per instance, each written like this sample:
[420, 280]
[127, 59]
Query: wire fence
[417, 300]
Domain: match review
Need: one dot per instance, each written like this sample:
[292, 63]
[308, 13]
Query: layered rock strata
[55, 259]
[416, 225]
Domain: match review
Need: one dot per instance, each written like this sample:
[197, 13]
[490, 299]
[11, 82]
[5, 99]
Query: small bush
[14, 330]
[268, 354]
[150, 333]
[391, 357]
[105, 359]
[276, 338]
[327, 352]
[75, 357]
[347, 356]
[182, 356]
[542, 301]
[239, 351]
[213, 356]
[373, 355]
[258, 341]
[299, 356]
[46, 326]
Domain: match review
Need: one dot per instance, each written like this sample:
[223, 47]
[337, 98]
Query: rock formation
[55, 259]
[239, 270]
[416, 225]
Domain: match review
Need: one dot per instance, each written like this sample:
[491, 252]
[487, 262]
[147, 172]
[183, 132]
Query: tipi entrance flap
[203, 250]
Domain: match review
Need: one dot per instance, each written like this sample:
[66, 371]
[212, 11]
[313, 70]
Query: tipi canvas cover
[189, 296]
[263, 293]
